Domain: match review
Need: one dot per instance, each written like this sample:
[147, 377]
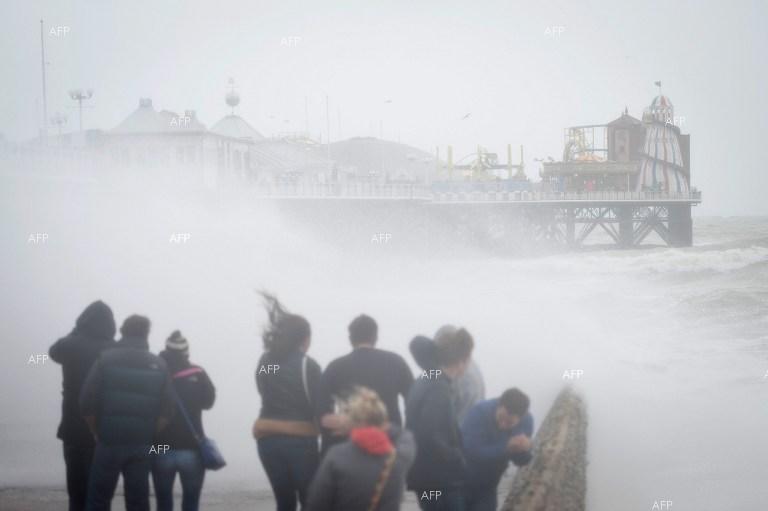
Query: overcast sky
[415, 68]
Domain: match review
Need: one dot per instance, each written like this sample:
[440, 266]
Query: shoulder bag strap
[184, 413]
[383, 478]
[304, 378]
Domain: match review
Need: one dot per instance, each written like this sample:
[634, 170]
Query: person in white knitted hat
[197, 393]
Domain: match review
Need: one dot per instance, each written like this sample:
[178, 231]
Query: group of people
[328, 440]
[452, 448]
[120, 403]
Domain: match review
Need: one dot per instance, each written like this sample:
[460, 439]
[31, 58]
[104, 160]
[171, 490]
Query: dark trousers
[449, 499]
[133, 462]
[290, 463]
[188, 464]
[481, 499]
[78, 463]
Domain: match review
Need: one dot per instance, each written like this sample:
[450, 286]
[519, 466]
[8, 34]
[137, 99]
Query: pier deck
[568, 218]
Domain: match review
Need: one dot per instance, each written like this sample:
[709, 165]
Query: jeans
[78, 462]
[290, 463]
[449, 500]
[481, 499]
[109, 461]
[189, 465]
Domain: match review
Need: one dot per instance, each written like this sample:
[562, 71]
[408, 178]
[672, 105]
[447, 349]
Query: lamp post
[80, 95]
[59, 120]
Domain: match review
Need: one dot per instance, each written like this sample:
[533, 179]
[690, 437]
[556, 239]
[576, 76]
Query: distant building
[627, 154]
[369, 159]
[666, 152]
[162, 141]
[167, 144]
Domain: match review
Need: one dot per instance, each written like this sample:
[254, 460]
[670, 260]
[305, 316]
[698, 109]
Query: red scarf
[372, 440]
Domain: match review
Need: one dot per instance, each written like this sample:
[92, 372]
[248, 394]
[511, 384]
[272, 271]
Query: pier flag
[657, 84]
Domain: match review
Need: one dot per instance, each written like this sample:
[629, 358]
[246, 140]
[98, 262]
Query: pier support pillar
[680, 225]
[570, 226]
[626, 226]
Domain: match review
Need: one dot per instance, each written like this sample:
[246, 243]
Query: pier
[565, 218]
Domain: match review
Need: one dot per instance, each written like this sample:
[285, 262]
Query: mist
[671, 342]
[401, 72]
[662, 359]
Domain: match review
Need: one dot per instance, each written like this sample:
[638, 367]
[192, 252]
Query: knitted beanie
[177, 342]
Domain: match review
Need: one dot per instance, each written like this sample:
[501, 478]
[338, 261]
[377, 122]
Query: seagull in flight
[466, 116]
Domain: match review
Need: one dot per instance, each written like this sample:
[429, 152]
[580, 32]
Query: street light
[79, 95]
[59, 120]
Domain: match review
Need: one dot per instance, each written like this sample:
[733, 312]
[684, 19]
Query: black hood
[424, 351]
[96, 321]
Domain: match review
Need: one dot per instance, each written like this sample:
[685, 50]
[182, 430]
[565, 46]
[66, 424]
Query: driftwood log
[556, 478]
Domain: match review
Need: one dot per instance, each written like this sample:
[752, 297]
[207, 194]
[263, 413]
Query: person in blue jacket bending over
[495, 432]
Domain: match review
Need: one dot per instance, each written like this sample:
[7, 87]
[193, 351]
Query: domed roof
[661, 109]
[146, 120]
[236, 127]
[661, 101]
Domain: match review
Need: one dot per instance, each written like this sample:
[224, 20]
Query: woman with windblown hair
[367, 472]
[288, 381]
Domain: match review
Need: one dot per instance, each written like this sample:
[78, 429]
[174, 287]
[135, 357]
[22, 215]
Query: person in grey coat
[368, 470]
[469, 388]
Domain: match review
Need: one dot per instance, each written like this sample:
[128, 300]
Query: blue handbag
[209, 451]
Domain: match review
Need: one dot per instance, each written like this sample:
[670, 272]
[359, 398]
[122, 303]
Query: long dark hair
[285, 332]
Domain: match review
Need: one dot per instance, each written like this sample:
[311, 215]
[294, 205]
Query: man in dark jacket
[438, 472]
[495, 432]
[94, 332]
[382, 371]
[125, 400]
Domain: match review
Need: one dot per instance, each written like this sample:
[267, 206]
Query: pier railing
[538, 196]
[424, 193]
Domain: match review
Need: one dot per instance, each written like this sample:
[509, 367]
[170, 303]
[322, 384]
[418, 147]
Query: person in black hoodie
[438, 473]
[197, 393]
[286, 431]
[94, 332]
